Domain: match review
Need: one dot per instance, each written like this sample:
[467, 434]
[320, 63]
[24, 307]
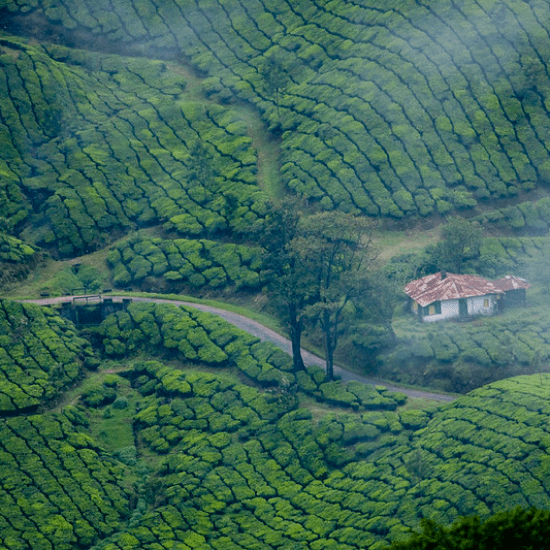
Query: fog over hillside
[298, 162]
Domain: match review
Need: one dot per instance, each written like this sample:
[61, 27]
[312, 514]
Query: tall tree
[283, 269]
[461, 241]
[336, 252]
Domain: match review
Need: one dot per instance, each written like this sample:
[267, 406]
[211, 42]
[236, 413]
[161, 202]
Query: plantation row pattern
[245, 468]
[501, 256]
[460, 357]
[57, 487]
[237, 466]
[95, 145]
[530, 218]
[196, 263]
[395, 110]
[41, 354]
[207, 339]
[241, 470]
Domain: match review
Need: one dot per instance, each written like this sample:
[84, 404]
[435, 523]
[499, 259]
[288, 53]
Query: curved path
[265, 334]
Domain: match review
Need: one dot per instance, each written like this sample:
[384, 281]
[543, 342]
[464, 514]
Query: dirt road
[266, 334]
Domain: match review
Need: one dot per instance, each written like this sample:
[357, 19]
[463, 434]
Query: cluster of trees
[320, 270]
[467, 247]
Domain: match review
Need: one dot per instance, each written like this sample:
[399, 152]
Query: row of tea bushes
[530, 218]
[207, 339]
[376, 111]
[485, 452]
[247, 467]
[137, 150]
[344, 481]
[15, 251]
[196, 263]
[464, 356]
[58, 489]
[16, 258]
[501, 256]
[40, 354]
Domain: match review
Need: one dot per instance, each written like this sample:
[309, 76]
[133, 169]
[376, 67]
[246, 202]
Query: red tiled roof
[511, 283]
[432, 288]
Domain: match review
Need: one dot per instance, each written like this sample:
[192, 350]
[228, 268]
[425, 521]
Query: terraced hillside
[161, 129]
[213, 444]
[396, 110]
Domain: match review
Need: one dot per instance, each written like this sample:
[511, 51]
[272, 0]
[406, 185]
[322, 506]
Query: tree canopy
[461, 241]
[516, 529]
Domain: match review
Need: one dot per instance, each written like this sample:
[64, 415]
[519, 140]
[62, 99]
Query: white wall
[449, 308]
[476, 305]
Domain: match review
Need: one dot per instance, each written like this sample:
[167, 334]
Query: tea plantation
[142, 145]
[213, 442]
[396, 110]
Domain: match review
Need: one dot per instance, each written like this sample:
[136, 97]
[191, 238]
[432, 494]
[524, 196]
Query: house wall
[476, 305]
[449, 308]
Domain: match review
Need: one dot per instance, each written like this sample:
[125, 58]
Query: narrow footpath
[264, 334]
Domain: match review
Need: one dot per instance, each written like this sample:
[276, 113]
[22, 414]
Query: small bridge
[91, 309]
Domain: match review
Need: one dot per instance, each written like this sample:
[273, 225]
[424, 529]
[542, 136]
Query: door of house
[462, 306]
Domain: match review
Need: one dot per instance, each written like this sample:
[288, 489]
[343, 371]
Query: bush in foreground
[514, 529]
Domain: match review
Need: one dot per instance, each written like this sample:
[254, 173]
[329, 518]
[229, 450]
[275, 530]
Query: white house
[446, 295]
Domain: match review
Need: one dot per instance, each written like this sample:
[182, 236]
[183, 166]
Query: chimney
[443, 275]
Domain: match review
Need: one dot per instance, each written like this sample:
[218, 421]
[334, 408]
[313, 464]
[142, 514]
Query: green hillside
[402, 110]
[188, 450]
[143, 144]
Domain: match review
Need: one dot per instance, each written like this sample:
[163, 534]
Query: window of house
[415, 307]
[486, 302]
[434, 309]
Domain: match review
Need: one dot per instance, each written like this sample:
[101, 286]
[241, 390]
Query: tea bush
[194, 263]
[205, 338]
[41, 355]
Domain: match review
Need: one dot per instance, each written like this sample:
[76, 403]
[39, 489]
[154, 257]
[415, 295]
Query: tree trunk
[295, 333]
[329, 344]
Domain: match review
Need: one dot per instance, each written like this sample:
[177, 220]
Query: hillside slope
[395, 110]
[209, 445]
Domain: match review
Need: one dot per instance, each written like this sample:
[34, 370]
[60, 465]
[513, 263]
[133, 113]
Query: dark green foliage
[516, 528]
[185, 262]
[461, 241]
[40, 355]
[98, 396]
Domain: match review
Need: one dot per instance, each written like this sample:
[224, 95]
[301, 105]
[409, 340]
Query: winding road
[265, 334]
